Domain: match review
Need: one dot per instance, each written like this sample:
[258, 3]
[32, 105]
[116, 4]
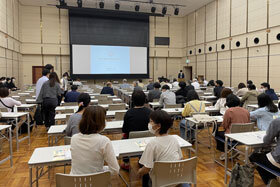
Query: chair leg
[209, 136]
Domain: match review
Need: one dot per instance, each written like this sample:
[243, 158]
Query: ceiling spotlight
[117, 6]
[62, 3]
[137, 7]
[176, 11]
[164, 10]
[101, 4]
[80, 3]
[153, 9]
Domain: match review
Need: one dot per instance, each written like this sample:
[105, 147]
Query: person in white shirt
[167, 97]
[78, 83]
[175, 84]
[6, 101]
[205, 82]
[42, 80]
[89, 149]
[221, 103]
[163, 147]
[64, 82]
[195, 84]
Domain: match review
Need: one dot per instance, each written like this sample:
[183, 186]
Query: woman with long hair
[73, 122]
[49, 96]
[266, 112]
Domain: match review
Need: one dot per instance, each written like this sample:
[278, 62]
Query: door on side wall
[36, 73]
[188, 73]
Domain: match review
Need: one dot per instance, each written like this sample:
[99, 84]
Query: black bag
[38, 117]
[242, 176]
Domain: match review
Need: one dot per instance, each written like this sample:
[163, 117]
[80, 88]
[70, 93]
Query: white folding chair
[166, 173]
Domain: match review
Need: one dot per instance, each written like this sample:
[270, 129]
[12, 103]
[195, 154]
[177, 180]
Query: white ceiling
[190, 5]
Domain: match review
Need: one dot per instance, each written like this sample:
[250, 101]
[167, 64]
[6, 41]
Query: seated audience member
[195, 84]
[220, 105]
[167, 97]
[242, 89]
[77, 82]
[6, 101]
[125, 85]
[162, 148]
[74, 120]
[250, 96]
[218, 88]
[269, 91]
[11, 83]
[175, 84]
[136, 86]
[150, 86]
[90, 149]
[3, 81]
[184, 89]
[270, 159]
[249, 82]
[194, 105]
[235, 114]
[140, 83]
[73, 95]
[211, 83]
[266, 112]
[136, 118]
[154, 93]
[107, 89]
[205, 82]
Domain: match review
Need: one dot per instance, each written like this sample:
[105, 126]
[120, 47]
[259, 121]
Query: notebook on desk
[62, 154]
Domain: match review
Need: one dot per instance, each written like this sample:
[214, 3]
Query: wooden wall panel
[159, 67]
[10, 17]
[50, 19]
[223, 17]
[200, 62]
[200, 25]
[65, 64]
[211, 66]
[3, 16]
[27, 62]
[258, 62]
[16, 19]
[30, 18]
[173, 67]
[238, 17]
[211, 22]
[257, 15]
[162, 27]
[224, 67]
[273, 35]
[274, 13]
[239, 67]
[191, 29]
[64, 26]
[176, 29]
[274, 66]
[152, 31]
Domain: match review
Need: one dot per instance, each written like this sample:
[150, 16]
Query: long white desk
[209, 97]
[16, 116]
[75, 108]
[249, 139]
[44, 156]
[94, 101]
[178, 111]
[10, 157]
[156, 104]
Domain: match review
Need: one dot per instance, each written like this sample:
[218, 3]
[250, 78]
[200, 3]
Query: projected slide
[98, 59]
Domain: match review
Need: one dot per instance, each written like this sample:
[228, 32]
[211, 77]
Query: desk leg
[37, 177]
[17, 143]
[30, 176]
[28, 127]
[246, 154]
[11, 146]
[196, 139]
[226, 158]
[49, 141]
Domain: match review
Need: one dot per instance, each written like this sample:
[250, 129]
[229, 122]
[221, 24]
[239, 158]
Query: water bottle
[15, 109]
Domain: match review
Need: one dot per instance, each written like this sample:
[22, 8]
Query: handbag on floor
[242, 175]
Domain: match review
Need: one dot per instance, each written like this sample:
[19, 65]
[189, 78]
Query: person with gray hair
[125, 85]
[136, 86]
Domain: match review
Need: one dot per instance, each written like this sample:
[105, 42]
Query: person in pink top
[6, 101]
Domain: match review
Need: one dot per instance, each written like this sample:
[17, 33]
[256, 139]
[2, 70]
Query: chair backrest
[252, 102]
[3, 109]
[155, 100]
[140, 134]
[104, 102]
[174, 172]
[67, 140]
[198, 113]
[242, 127]
[67, 111]
[96, 179]
[102, 97]
[117, 106]
[119, 116]
[70, 104]
[173, 106]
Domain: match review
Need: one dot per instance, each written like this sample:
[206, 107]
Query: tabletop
[2, 127]
[13, 114]
[248, 138]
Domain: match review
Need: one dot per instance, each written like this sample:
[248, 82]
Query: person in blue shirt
[73, 95]
[125, 85]
[269, 91]
[108, 89]
[266, 112]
